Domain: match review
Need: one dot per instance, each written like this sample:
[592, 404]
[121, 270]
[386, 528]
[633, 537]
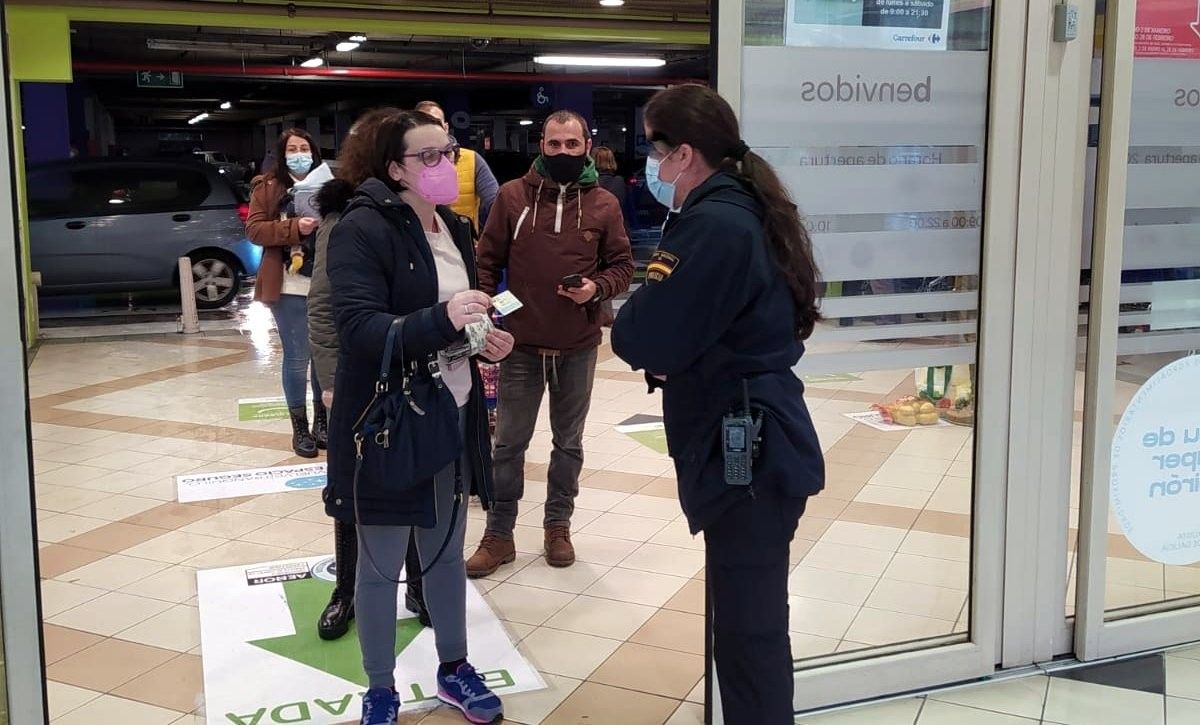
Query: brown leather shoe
[559, 551]
[493, 551]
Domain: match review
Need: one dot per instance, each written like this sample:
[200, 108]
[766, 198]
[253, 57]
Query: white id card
[507, 303]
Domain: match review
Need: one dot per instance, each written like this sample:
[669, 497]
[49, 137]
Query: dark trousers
[524, 377]
[748, 550]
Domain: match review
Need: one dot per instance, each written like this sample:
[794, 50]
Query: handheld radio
[739, 442]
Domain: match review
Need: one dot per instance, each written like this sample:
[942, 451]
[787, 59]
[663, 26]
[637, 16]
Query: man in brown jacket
[562, 240]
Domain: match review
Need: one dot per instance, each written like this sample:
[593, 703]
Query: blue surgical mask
[299, 164]
[663, 191]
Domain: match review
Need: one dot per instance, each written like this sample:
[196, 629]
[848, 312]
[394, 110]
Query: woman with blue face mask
[730, 297]
[283, 221]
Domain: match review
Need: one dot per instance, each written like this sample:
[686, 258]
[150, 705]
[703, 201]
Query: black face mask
[564, 168]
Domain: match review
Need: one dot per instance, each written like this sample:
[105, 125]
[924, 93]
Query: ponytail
[787, 237]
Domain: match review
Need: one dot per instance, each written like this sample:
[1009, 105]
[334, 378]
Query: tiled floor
[1155, 690]
[881, 556]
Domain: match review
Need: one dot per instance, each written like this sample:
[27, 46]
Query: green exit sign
[159, 79]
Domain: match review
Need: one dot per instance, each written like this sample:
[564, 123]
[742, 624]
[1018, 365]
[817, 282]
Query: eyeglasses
[659, 155]
[433, 157]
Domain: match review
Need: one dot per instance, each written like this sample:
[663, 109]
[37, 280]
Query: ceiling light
[526, 122]
[219, 46]
[600, 61]
[314, 62]
[347, 46]
[595, 131]
[226, 106]
[624, 129]
[359, 38]
[197, 119]
[116, 201]
[611, 3]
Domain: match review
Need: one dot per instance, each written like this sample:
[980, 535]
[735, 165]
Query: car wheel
[216, 279]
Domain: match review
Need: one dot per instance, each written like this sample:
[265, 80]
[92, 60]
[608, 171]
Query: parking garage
[192, 113]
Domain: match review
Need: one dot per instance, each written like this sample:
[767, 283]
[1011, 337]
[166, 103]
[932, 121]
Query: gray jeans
[524, 377]
[445, 585]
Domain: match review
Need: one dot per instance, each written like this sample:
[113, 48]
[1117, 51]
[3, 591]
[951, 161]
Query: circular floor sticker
[1156, 465]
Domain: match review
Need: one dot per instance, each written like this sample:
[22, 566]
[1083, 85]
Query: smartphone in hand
[572, 281]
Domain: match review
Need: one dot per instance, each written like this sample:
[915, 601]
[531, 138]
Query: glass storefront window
[1158, 321]
[877, 122]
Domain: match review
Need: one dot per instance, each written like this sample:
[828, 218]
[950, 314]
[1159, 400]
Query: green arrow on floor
[306, 599]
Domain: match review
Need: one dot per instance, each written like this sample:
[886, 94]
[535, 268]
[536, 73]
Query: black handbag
[407, 436]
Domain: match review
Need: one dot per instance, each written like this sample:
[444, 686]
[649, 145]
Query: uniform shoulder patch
[662, 264]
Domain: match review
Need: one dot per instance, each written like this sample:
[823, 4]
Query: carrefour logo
[918, 38]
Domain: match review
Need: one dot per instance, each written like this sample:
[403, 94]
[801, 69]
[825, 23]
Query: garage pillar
[499, 135]
[271, 133]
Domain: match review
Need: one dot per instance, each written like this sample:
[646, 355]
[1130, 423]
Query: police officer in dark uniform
[730, 295]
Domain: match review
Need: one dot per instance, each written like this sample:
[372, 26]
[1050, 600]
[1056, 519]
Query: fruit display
[950, 390]
[958, 407]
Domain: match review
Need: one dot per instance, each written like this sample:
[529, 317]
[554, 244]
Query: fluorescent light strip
[315, 62]
[600, 61]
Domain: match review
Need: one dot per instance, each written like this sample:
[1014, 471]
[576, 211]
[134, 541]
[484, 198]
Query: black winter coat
[715, 310]
[380, 267]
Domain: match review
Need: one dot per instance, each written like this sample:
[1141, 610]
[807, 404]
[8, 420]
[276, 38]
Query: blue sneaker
[465, 690]
[379, 706]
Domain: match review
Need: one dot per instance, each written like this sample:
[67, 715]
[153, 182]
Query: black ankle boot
[414, 601]
[320, 428]
[414, 597]
[303, 442]
[335, 620]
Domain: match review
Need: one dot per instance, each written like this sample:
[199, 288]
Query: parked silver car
[121, 225]
[232, 170]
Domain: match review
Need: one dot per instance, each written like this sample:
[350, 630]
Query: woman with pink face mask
[399, 252]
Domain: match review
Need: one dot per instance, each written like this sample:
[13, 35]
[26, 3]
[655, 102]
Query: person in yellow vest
[477, 185]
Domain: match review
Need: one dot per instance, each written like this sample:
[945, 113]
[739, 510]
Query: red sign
[1167, 29]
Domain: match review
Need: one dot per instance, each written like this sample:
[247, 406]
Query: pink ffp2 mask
[438, 184]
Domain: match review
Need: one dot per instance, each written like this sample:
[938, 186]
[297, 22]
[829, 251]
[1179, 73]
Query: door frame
[1152, 626]
[843, 682]
[20, 595]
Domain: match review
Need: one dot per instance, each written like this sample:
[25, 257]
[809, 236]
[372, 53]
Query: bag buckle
[358, 444]
[435, 372]
[381, 387]
[383, 438]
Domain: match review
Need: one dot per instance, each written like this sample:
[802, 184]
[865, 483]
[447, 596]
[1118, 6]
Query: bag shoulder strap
[395, 331]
